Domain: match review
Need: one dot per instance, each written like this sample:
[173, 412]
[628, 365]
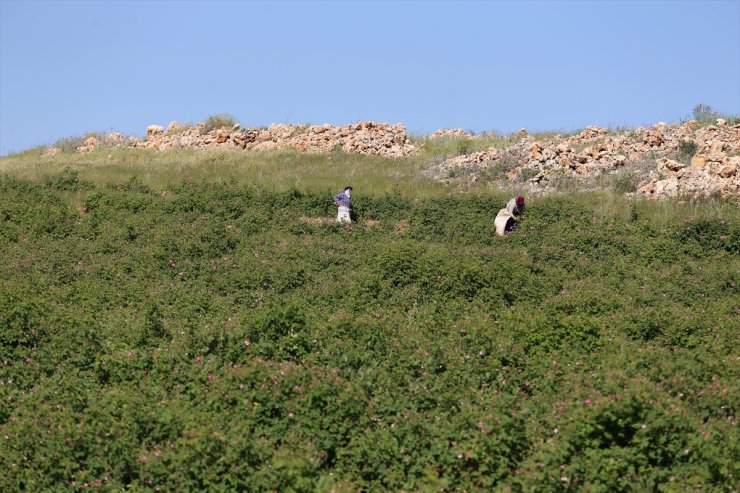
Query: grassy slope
[277, 171]
[596, 347]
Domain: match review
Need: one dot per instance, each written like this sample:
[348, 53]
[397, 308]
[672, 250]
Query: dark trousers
[510, 225]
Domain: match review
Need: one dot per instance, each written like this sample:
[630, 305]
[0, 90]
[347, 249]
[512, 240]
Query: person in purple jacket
[344, 205]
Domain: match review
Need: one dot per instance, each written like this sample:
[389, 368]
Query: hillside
[192, 320]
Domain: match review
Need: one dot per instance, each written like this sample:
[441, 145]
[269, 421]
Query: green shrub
[401, 263]
[280, 333]
[68, 180]
[22, 326]
[687, 148]
[221, 120]
[622, 181]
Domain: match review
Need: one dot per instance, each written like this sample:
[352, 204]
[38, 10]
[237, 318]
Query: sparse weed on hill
[202, 336]
[180, 128]
[706, 115]
[70, 144]
[221, 120]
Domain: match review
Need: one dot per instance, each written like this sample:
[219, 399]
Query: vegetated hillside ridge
[690, 159]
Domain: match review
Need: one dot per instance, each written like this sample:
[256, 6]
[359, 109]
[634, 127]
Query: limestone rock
[153, 132]
[89, 144]
[727, 170]
[716, 146]
[670, 164]
[690, 125]
[653, 138]
[699, 160]
[660, 188]
[593, 131]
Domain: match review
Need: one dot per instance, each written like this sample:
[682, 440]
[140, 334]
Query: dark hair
[347, 188]
[520, 200]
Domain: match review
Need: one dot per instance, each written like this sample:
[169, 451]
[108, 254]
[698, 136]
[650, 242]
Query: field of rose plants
[217, 337]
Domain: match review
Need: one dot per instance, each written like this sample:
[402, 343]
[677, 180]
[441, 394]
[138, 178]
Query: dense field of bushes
[209, 337]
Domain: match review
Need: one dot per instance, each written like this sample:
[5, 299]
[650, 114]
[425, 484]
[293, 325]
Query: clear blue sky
[71, 67]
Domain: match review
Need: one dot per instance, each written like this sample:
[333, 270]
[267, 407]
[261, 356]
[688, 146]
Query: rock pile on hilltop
[714, 169]
[370, 138]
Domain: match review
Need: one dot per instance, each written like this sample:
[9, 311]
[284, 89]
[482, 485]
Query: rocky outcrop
[706, 176]
[596, 151]
[370, 138]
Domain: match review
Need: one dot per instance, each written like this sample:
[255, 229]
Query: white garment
[500, 222]
[343, 214]
[512, 207]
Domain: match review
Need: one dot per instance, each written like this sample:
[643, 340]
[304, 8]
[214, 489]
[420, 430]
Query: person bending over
[509, 217]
